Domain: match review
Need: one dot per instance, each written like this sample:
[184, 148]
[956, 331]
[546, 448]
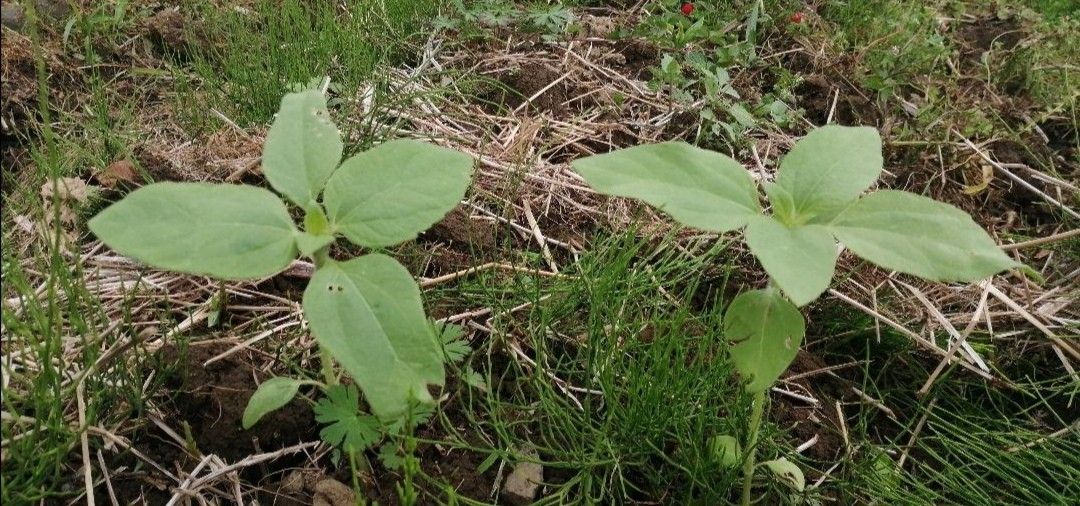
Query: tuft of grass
[616, 376]
[255, 56]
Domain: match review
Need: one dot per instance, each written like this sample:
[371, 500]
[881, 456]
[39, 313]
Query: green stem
[327, 366]
[751, 446]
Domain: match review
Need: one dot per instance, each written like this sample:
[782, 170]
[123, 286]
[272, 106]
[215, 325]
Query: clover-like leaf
[303, 147]
[346, 426]
[787, 472]
[767, 331]
[920, 236]
[272, 394]
[828, 169]
[799, 259]
[221, 230]
[699, 188]
[367, 313]
[394, 191]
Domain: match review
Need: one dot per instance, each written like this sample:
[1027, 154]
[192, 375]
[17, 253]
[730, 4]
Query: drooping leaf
[787, 472]
[726, 449]
[272, 394]
[221, 230]
[921, 236]
[828, 169]
[394, 191]
[303, 147]
[367, 312]
[346, 426]
[799, 259]
[699, 188]
[767, 331]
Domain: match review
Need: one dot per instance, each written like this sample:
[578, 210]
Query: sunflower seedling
[817, 200]
[366, 313]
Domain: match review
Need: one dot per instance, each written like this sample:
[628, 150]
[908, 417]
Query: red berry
[687, 8]
[798, 17]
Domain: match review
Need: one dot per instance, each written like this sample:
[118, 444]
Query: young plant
[816, 201]
[366, 313]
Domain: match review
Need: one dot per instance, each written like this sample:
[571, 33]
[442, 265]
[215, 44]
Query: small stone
[118, 172]
[523, 482]
[330, 492]
[53, 9]
[13, 16]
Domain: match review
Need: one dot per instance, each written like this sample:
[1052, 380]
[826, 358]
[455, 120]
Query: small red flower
[798, 17]
[687, 8]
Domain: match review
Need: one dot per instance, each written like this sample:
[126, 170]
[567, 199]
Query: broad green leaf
[767, 331]
[699, 188]
[221, 230]
[799, 259]
[271, 395]
[726, 449]
[346, 426]
[396, 190]
[302, 148]
[787, 472]
[917, 235]
[367, 313]
[828, 169]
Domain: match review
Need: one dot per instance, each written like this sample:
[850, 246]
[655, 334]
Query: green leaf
[346, 427]
[394, 191]
[828, 169]
[221, 230]
[787, 472]
[455, 348]
[699, 188]
[799, 259]
[272, 394]
[767, 331]
[367, 313]
[302, 148]
[917, 235]
[726, 449]
[310, 243]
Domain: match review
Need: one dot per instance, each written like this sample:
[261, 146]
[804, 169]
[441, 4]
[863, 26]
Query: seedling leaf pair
[815, 201]
[367, 311]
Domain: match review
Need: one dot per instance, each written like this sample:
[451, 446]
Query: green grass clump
[637, 323]
[256, 56]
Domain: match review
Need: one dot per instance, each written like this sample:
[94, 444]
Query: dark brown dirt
[803, 421]
[641, 56]
[853, 107]
[529, 80]
[209, 403]
[988, 33]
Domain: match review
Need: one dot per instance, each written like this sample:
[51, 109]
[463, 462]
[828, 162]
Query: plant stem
[751, 446]
[327, 361]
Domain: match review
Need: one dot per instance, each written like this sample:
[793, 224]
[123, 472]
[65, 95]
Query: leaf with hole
[303, 147]
[367, 313]
[394, 191]
[697, 187]
[766, 331]
[271, 395]
[222, 230]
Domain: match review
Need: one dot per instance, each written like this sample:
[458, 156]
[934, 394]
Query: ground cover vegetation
[850, 277]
